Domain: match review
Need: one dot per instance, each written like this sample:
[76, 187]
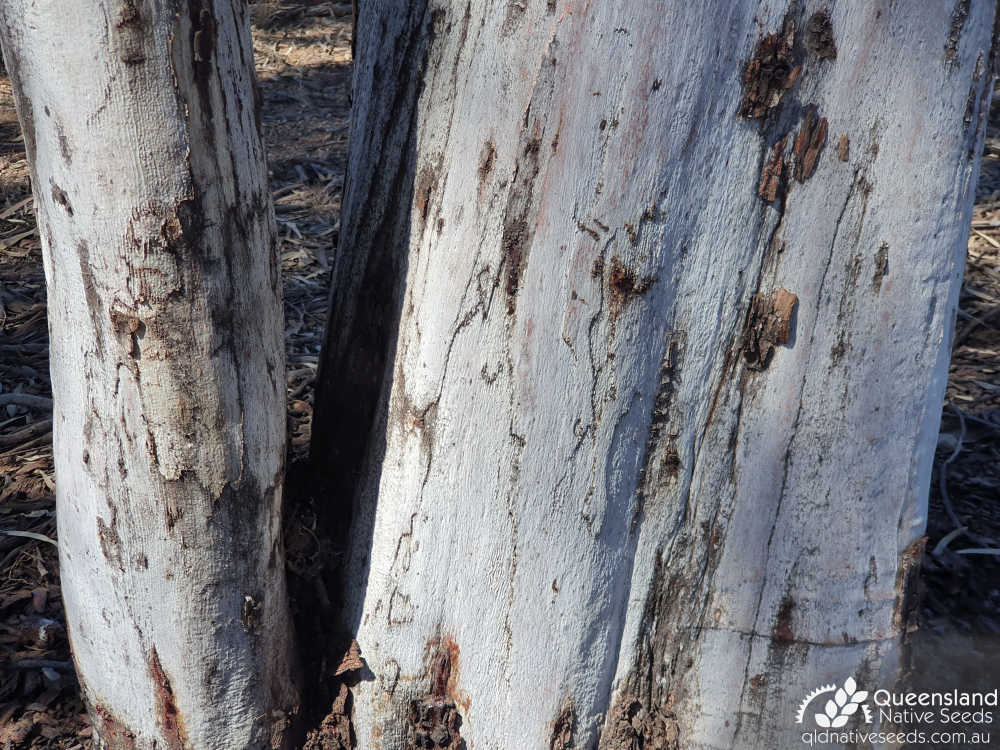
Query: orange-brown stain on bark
[170, 719]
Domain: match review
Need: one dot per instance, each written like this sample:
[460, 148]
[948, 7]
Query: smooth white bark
[167, 364]
[658, 401]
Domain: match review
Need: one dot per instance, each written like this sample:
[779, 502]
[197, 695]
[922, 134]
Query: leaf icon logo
[845, 703]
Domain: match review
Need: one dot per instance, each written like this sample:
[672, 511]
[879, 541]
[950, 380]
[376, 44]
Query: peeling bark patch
[782, 630]
[125, 325]
[819, 35]
[808, 144]
[434, 720]
[351, 661]
[60, 197]
[844, 148]
[772, 175]
[881, 266]
[908, 585]
[958, 18]
[336, 731]
[768, 324]
[169, 717]
[562, 730]
[769, 73]
[633, 726]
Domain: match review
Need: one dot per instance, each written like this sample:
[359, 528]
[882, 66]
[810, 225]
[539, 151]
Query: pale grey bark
[167, 359]
[644, 309]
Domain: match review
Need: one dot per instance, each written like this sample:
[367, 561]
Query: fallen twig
[26, 399]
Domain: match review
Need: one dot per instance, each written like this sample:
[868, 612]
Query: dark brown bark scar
[769, 73]
[908, 585]
[562, 730]
[486, 161]
[809, 144]
[250, 613]
[204, 32]
[129, 15]
[515, 236]
[782, 630]
[881, 266]
[60, 197]
[625, 285]
[64, 149]
[434, 720]
[958, 18]
[819, 35]
[838, 350]
[128, 38]
[426, 184]
[170, 719]
[768, 324]
[772, 175]
[111, 543]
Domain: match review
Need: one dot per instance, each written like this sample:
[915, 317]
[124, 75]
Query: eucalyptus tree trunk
[638, 341]
[158, 240]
